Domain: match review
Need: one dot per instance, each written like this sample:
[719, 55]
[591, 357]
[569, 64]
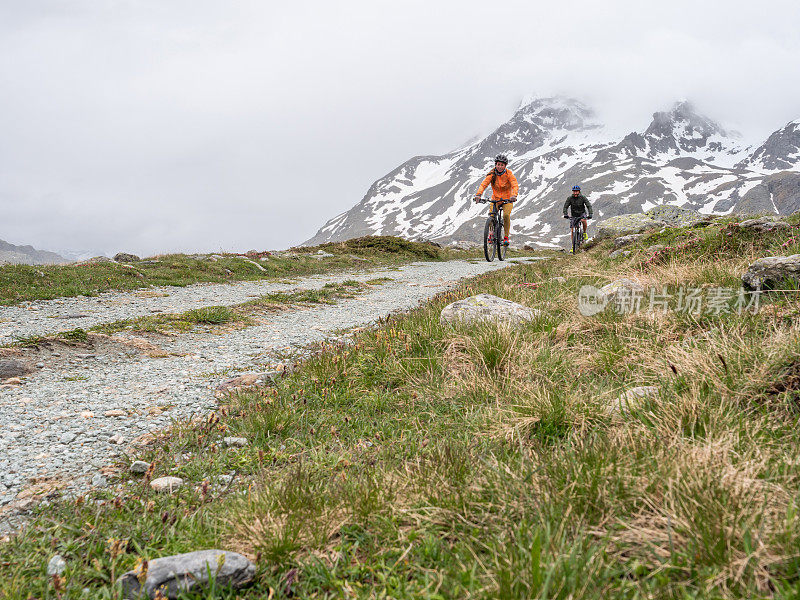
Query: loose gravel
[72, 418]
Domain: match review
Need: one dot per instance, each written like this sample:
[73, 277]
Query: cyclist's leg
[507, 219]
[585, 224]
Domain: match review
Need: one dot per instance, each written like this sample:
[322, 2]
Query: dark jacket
[577, 206]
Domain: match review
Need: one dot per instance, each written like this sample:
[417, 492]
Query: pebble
[56, 566]
[99, 481]
[235, 442]
[140, 467]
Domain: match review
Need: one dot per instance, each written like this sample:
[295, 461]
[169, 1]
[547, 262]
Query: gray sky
[152, 126]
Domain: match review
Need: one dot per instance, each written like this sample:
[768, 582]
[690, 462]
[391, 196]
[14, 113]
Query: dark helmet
[576, 188]
[501, 158]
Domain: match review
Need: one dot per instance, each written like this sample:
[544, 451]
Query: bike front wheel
[501, 248]
[489, 242]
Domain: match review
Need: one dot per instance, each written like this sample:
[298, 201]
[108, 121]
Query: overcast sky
[193, 125]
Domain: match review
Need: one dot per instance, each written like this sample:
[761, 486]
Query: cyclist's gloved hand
[512, 199]
[477, 198]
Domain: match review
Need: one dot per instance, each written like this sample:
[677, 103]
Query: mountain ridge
[681, 158]
[28, 255]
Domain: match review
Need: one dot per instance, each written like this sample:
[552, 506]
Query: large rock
[12, 367]
[172, 575]
[485, 307]
[772, 272]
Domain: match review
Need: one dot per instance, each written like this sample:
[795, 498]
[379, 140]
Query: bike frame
[496, 220]
[576, 230]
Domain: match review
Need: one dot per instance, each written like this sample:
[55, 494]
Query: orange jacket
[505, 186]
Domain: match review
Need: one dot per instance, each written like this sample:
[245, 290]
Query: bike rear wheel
[489, 241]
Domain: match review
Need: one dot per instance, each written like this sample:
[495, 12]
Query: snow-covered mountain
[682, 158]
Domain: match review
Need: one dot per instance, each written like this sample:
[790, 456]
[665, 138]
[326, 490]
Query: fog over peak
[153, 127]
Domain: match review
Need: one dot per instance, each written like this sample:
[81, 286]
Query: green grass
[430, 461]
[19, 283]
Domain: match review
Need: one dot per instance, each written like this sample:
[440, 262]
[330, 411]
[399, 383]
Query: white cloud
[151, 126]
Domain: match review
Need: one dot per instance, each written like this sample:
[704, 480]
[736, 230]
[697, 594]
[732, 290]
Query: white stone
[166, 484]
[56, 566]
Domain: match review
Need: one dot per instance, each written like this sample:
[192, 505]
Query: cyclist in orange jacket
[504, 187]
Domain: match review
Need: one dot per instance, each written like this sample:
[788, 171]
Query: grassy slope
[427, 461]
[19, 283]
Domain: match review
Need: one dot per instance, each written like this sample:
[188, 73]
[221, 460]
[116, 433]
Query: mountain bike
[577, 232]
[493, 232]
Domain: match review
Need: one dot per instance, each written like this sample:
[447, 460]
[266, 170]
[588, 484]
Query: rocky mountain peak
[780, 152]
[683, 130]
[557, 112]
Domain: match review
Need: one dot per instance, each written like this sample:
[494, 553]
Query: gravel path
[60, 425]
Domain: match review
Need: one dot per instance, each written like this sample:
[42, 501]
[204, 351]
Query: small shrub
[212, 315]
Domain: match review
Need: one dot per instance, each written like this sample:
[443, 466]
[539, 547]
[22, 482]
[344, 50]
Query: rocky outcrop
[627, 227]
[485, 307]
[773, 272]
[770, 223]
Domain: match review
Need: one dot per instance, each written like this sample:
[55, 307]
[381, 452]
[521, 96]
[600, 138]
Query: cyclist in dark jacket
[579, 206]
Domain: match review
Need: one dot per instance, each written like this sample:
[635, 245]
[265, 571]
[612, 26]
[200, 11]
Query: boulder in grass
[621, 252]
[619, 288]
[124, 257]
[485, 307]
[193, 571]
[632, 398]
[249, 380]
[773, 272]
[166, 485]
[627, 239]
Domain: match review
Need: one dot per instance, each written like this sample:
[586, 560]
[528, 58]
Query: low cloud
[155, 127]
